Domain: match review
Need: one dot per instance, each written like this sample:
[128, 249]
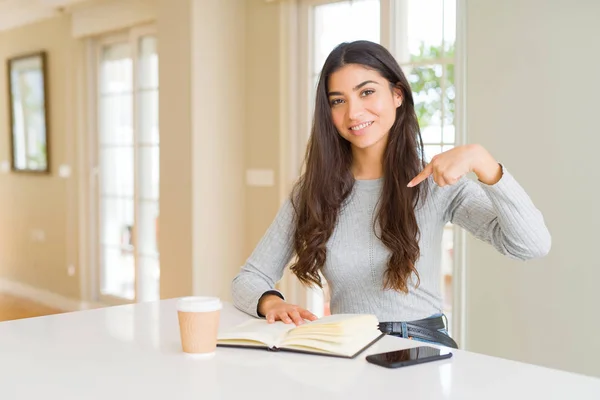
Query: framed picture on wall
[28, 106]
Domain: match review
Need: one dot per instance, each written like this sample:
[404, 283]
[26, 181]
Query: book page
[256, 330]
[348, 348]
[336, 328]
[343, 334]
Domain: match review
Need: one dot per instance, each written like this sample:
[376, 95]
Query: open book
[340, 335]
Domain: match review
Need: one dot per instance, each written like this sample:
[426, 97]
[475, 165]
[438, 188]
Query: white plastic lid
[199, 304]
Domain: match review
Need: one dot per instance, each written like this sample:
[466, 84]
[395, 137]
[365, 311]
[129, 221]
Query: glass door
[128, 168]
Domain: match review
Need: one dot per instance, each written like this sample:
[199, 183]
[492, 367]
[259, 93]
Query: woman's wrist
[487, 169]
[266, 302]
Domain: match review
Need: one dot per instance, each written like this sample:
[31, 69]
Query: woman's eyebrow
[355, 88]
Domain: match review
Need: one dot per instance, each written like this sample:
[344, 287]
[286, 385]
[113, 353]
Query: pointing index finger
[427, 171]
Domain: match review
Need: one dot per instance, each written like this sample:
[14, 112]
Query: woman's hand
[275, 309]
[448, 167]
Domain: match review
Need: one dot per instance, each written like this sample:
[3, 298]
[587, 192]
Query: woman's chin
[364, 142]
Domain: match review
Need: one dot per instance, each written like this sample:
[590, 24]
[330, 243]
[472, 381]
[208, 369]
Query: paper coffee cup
[198, 325]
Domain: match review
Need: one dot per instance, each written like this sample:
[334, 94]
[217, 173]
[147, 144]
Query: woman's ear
[397, 96]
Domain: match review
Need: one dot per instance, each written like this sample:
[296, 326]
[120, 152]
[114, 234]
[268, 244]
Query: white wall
[218, 137]
[533, 100]
[175, 119]
[203, 132]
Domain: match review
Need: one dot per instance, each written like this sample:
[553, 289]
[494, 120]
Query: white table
[133, 352]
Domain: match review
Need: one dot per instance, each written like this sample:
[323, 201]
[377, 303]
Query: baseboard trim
[45, 297]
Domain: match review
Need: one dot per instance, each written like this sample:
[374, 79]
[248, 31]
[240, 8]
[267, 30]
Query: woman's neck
[367, 163]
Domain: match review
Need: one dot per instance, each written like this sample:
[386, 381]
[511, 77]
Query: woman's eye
[335, 102]
[368, 92]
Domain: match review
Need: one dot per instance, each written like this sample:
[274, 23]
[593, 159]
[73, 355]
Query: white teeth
[361, 126]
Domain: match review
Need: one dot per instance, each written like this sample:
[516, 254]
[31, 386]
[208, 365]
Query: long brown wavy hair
[327, 181]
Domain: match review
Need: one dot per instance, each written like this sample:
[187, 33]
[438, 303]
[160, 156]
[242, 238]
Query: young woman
[368, 213]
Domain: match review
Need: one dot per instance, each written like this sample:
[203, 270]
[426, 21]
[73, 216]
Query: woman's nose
[355, 110]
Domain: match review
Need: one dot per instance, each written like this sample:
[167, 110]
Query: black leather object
[425, 329]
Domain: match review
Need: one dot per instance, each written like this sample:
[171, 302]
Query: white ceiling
[15, 13]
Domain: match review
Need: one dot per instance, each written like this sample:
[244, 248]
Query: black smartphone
[406, 357]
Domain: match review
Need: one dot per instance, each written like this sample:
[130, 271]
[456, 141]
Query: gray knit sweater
[501, 214]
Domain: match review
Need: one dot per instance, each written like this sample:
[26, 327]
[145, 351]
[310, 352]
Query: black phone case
[373, 360]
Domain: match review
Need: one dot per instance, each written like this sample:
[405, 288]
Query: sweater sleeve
[502, 215]
[266, 264]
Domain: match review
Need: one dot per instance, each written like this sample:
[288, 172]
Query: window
[127, 184]
[422, 35]
[427, 57]
[426, 53]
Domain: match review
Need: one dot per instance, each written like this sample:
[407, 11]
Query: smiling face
[363, 107]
